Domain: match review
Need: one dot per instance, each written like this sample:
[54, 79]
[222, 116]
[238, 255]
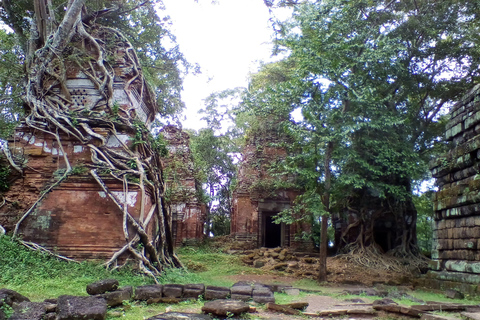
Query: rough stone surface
[116, 298]
[10, 297]
[242, 290]
[225, 307]
[148, 292]
[28, 311]
[193, 290]
[181, 316]
[240, 297]
[214, 292]
[79, 308]
[102, 286]
[454, 294]
[456, 236]
[471, 315]
[173, 290]
[263, 295]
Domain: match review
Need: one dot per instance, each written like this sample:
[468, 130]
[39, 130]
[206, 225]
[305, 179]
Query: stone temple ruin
[76, 218]
[187, 211]
[456, 254]
[256, 202]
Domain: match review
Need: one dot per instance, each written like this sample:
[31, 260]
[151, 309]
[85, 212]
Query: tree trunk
[322, 273]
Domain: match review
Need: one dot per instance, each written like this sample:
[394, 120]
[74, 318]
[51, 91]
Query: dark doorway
[272, 232]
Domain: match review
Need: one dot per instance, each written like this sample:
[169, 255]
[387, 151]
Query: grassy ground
[39, 276]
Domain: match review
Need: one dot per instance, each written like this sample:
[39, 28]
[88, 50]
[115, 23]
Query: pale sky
[227, 39]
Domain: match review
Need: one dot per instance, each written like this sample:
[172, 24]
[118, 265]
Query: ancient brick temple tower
[456, 247]
[76, 218]
[187, 211]
[255, 199]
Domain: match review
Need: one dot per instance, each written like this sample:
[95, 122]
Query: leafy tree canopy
[162, 62]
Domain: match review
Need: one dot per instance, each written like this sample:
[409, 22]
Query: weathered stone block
[102, 286]
[242, 290]
[193, 290]
[263, 295]
[79, 308]
[29, 311]
[225, 307]
[434, 265]
[455, 276]
[148, 292]
[213, 292]
[173, 290]
[116, 298]
[454, 294]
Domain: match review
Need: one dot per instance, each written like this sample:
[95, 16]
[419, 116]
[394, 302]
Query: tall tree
[371, 79]
[214, 151]
[53, 36]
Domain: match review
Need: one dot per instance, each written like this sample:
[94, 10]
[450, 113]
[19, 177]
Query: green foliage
[4, 175]
[162, 63]
[370, 79]
[212, 154]
[11, 70]
[424, 205]
[7, 310]
[79, 170]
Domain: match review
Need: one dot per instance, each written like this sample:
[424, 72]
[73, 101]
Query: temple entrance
[383, 234]
[273, 233]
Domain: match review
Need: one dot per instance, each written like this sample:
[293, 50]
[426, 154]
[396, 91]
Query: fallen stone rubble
[222, 302]
[107, 293]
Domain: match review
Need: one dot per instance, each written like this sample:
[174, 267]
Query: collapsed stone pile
[106, 293]
[298, 264]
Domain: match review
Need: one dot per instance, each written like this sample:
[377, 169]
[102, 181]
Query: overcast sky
[227, 39]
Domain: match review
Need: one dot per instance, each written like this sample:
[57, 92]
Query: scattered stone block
[244, 290]
[164, 300]
[10, 297]
[263, 295]
[193, 290]
[116, 298]
[213, 292]
[431, 316]
[225, 308]
[148, 292]
[173, 290]
[282, 308]
[102, 286]
[299, 305]
[454, 294]
[79, 308]
[439, 307]
[28, 311]
[471, 315]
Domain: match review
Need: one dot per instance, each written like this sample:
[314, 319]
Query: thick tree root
[52, 111]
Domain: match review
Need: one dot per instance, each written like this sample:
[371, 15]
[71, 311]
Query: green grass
[39, 276]
[215, 268]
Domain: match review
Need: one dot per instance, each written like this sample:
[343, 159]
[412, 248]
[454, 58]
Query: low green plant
[7, 310]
